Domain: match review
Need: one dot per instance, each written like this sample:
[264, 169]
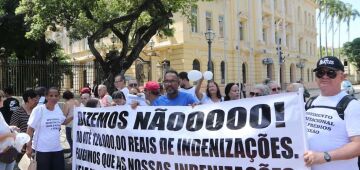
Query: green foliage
[134, 22]
[352, 51]
[12, 33]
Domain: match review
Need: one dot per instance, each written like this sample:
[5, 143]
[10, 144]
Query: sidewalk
[66, 147]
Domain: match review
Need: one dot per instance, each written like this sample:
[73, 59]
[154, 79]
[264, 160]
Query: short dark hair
[172, 71]
[122, 77]
[183, 75]
[51, 88]
[9, 90]
[92, 103]
[29, 93]
[227, 90]
[40, 91]
[118, 95]
[67, 95]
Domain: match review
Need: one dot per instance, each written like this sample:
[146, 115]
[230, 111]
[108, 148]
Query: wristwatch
[327, 157]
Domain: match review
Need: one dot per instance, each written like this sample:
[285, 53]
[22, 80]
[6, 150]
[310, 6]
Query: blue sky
[354, 29]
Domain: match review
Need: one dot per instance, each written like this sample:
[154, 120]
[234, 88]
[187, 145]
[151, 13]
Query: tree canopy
[12, 33]
[134, 22]
[352, 51]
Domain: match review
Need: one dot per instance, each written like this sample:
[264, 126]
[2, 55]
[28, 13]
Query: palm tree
[340, 18]
[333, 8]
[349, 14]
[320, 3]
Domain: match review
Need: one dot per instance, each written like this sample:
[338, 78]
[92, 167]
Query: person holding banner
[118, 98]
[152, 91]
[46, 120]
[173, 96]
[333, 136]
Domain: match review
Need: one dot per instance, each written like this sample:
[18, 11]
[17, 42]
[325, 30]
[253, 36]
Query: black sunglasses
[276, 89]
[254, 94]
[133, 85]
[330, 73]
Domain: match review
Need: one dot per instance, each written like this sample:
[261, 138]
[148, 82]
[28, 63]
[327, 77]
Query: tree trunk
[339, 41]
[320, 32]
[332, 36]
[326, 47]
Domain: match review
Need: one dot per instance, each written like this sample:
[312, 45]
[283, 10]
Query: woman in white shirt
[212, 94]
[44, 129]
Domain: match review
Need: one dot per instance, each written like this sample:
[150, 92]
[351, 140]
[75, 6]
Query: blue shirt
[182, 99]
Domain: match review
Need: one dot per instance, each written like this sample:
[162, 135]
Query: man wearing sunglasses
[334, 140]
[173, 96]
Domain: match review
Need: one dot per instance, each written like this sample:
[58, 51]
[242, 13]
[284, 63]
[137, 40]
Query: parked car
[348, 87]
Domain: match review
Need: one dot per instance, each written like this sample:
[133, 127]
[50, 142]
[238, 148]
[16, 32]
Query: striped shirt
[20, 118]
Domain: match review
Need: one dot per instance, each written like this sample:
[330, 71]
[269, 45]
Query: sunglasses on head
[276, 89]
[330, 73]
[254, 94]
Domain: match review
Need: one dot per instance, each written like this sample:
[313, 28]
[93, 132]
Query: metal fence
[23, 74]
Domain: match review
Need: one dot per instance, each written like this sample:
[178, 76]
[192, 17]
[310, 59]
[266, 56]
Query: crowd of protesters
[40, 107]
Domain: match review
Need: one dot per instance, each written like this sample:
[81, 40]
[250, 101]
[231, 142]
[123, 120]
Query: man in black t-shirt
[9, 105]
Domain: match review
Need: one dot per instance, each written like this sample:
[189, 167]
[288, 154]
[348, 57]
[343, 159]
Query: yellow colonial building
[254, 39]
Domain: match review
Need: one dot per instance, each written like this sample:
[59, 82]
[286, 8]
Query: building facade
[254, 40]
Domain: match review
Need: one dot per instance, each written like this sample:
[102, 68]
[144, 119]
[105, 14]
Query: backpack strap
[343, 103]
[340, 107]
[309, 102]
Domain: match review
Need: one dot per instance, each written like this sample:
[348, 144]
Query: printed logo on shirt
[317, 122]
[53, 124]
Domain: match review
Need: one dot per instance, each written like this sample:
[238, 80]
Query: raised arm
[198, 93]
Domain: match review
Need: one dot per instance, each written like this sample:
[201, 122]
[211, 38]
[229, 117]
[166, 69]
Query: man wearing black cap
[333, 134]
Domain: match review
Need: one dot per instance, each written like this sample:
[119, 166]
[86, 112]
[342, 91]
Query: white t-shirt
[50, 124]
[4, 129]
[207, 100]
[327, 131]
[41, 101]
[190, 91]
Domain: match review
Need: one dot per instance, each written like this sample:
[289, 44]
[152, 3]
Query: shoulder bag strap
[39, 127]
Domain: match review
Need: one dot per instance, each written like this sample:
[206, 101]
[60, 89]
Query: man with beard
[173, 96]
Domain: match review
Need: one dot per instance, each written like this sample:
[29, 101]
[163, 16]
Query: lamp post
[209, 35]
[151, 44]
[301, 65]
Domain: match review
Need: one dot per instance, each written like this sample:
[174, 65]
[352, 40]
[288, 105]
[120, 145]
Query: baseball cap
[85, 90]
[152, 86]
[329, 62]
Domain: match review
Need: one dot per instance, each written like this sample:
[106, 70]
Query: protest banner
[266, 133]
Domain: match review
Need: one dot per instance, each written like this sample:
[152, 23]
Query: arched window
[269, 71]
[292, 73]
[196, 65]
[308, 75]
[222, 65]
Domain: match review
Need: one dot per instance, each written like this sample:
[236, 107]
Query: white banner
[248, 134]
